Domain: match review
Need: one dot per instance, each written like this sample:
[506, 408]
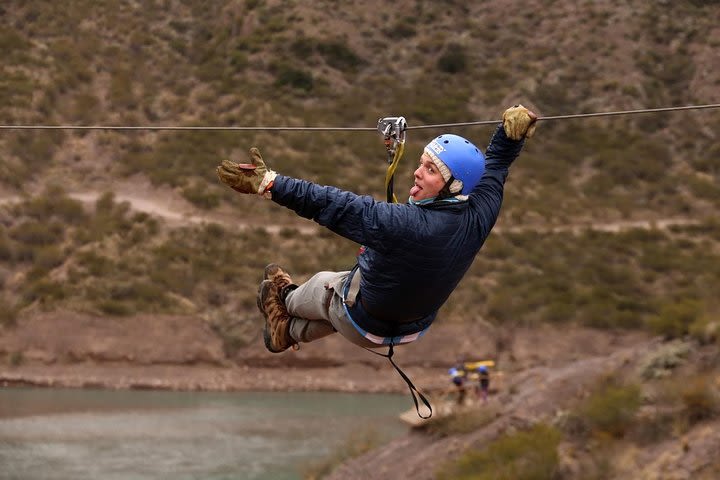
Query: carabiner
[394, 131]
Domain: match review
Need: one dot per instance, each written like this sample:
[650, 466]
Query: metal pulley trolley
[393, 130]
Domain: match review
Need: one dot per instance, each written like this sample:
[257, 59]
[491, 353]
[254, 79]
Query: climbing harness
[350, 291]
[349, 296]
[393, 130]
[413, 389]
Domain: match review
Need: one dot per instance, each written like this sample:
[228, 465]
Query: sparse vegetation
[356, 444]
[51, 233]
[16, 359]
[8, 313]
[699, 400]
[461, 421]
[610, 410]
[661, 363]
[625, 163]
[255, 63]
[454, 60]
[530, 455]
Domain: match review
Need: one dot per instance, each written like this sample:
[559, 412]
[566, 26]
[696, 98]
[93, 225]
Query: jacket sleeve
[487, 195]
[356, 217]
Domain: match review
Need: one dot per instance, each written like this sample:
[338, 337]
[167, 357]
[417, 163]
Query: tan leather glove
[519, 122]
[252, 177]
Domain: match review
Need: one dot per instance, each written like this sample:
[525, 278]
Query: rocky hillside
[623, 416]
[68, 240]
[609, 223]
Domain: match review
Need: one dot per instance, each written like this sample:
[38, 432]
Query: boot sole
[263, 289]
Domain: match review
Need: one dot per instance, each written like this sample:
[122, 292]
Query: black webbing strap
[411, 387]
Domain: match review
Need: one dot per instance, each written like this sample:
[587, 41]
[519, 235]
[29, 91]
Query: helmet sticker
[436, 147]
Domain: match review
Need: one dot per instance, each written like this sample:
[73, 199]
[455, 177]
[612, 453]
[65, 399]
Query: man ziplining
[413, 255]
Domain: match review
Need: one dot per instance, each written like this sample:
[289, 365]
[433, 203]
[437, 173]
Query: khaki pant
[317, 310]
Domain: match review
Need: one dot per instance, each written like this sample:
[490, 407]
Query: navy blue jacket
[415, 255]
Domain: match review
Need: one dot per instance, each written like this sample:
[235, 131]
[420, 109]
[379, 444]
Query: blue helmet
[464, 160]
[483, 369]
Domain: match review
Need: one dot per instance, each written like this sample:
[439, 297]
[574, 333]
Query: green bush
[675, 319]
[654, 427]
[16, 90]
[402, 29]
[95, 264]
[706, 329]
[11, 42]
[55, 204]
[16, 359]
[36, 234]
[202, 195]
[454, 60]
[6, 246]
[121, 92]
[611, 409]
[492, 80]
[85, 109]
[8, 313]
[303, 48]
[45, 260]
[286, 75]
[526, 455]
[115, 307]
[34, 151]
[179, 156]
[700, 399]
[45, 291]
[660, 363]
[338, 55]
[127, 297]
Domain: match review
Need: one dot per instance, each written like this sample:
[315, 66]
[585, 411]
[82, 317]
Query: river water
[102, 434]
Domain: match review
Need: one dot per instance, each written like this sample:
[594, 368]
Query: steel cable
[335, 129]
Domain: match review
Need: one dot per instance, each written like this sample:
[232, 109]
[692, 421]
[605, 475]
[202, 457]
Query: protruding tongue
[414, 190]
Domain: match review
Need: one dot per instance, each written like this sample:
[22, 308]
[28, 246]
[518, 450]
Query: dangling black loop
[411, 387]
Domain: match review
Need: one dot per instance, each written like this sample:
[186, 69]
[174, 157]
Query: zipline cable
[576, 115]
[336, 129]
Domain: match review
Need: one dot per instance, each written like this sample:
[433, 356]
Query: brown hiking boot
[277, 275]
[276, 332]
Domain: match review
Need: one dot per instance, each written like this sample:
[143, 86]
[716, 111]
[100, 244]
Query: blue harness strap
[350, 291]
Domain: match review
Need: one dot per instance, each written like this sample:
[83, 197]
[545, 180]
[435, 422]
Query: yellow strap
[392, 167]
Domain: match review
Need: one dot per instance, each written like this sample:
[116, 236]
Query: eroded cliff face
[183, 352]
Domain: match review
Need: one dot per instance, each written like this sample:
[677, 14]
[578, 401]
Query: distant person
[458, 376]
[483, 382]
[413, 254]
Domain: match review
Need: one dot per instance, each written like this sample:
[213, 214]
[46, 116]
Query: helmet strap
[445, 191]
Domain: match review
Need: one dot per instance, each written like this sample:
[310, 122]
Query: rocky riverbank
[67, 349]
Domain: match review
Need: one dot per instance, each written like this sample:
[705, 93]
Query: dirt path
[611, 227]
[176, 211]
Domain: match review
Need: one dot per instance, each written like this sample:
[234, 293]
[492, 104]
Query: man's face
[428, 180]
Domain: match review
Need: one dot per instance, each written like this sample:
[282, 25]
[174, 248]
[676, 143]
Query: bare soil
[183, 353]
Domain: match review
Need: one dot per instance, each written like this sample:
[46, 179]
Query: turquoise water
[99, 434]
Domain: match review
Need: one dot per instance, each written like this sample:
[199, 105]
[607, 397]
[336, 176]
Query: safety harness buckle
[394, 131]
